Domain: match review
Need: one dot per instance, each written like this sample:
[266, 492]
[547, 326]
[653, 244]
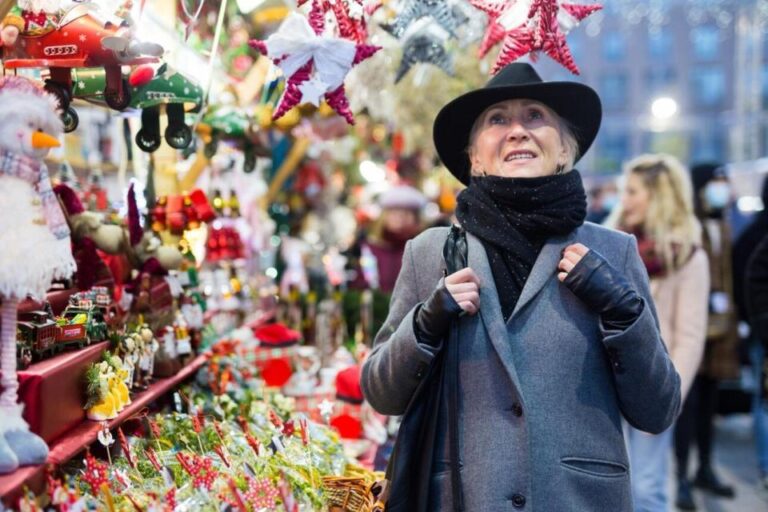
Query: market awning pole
[197, 167]
[289, 165]
[214, 51]
[5, 6]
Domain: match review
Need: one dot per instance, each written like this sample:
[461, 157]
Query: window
[660, 45]
[764, 84]
[613, 89]
[614, 46]
[612, 150]
[706, 42]
[659, 80]
[708, 144]
[708, 86]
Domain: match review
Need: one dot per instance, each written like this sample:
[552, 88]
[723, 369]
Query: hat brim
[576, 103]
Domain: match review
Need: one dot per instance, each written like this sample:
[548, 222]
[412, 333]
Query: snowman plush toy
[34, 242]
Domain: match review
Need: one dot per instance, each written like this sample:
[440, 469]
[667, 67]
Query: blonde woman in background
[656, 207]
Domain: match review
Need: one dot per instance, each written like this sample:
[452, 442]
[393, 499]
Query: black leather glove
[605, 290]
[434, 316]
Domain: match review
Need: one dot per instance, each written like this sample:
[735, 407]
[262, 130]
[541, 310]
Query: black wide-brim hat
[576, 103]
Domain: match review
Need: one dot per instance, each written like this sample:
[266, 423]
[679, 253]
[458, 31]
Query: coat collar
[544, 269]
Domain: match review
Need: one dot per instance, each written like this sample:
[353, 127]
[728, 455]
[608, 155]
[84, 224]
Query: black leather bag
[410, 465]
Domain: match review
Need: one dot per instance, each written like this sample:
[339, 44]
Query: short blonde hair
[670, 220]
[566, 130]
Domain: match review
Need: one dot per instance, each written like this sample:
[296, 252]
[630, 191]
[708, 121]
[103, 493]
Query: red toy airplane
[83, 39]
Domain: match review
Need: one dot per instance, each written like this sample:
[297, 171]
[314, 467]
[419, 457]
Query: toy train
[40, 334]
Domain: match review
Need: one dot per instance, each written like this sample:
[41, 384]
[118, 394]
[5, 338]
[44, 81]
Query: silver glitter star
[427, 48]
[439, 10]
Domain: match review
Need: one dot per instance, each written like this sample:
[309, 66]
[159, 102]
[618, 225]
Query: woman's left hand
[571, 256]
[603, 288]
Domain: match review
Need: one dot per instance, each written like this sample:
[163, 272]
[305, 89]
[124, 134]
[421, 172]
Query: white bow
[295, 43]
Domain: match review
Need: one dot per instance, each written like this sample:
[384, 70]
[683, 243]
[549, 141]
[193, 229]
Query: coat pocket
[595, 467]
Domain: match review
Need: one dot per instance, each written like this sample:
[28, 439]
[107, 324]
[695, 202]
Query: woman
[656, 207]
[557, 332]
[400, 221]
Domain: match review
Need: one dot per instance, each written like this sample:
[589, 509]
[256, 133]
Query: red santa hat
[348, 385]
[348, 426]
[276, 335]
[69, 199]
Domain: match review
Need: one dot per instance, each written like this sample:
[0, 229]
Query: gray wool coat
[542, 395]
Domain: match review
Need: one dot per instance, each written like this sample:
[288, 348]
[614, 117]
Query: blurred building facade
[709, 56]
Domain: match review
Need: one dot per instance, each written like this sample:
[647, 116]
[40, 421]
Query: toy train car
[39, 335]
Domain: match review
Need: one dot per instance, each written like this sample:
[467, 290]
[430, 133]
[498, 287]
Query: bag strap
[455, 255]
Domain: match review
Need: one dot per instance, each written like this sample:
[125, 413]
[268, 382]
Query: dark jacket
[756, 287]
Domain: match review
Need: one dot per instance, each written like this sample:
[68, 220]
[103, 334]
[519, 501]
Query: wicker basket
[352, 494]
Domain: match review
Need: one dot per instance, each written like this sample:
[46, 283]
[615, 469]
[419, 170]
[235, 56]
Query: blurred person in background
[712, 198]
[756, 295]
[602, 200]
[399, 222]
[656, 207]
[744, 250]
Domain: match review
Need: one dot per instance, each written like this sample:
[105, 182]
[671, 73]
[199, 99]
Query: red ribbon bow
[33, 18]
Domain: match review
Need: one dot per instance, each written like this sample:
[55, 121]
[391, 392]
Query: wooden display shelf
[80, 437]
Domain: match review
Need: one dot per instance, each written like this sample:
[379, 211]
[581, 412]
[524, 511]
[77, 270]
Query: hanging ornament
[314, 66]
[425, 45]
[191, 20]
[438, 10]
[530, 26]
[349, 15]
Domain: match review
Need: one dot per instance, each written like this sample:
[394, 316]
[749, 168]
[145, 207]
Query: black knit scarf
[513, 217]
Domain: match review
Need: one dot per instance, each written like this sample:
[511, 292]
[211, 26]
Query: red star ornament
[529, 26]
[349, 17]
[315, 66]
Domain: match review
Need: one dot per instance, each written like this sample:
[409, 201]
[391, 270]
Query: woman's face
[399, 220]
[635, 201]
[517, 139]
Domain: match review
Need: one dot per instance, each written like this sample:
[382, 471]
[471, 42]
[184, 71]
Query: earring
[560, 169]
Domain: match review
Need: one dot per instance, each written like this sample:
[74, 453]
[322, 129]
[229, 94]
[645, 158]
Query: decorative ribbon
[295, 44]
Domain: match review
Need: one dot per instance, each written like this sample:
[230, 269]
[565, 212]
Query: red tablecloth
[53, 391]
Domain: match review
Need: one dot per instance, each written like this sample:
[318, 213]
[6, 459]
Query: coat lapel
[490, 308]
[544, 269]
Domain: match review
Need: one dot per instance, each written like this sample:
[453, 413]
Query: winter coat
[721, 357]
[541, 396]
[682, 299]
[756, 291]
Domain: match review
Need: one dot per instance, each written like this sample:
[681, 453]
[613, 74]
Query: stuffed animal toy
[35, 243]
[10, 28]
[136, 244]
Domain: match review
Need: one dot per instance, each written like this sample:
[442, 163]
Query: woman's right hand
[458, 292]
[464, 287]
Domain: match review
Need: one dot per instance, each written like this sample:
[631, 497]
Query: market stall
[217, 193]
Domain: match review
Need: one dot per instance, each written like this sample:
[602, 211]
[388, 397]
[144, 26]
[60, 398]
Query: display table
[82, 435]
[53, 391]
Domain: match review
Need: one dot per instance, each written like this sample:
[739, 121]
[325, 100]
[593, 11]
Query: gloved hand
[457, 293]
[600, 286]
